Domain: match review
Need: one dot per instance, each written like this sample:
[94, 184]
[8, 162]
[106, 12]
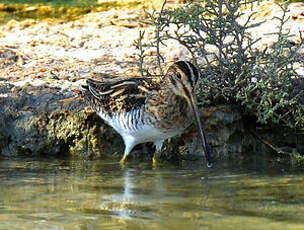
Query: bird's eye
[178, 75]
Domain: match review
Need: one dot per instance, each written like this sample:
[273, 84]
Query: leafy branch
[262, 82]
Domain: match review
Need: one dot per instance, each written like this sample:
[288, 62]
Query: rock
[41, 121]
[9, 57]
[225, 132]
[44, 120]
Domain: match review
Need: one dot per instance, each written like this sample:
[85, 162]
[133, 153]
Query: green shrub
[263, 82]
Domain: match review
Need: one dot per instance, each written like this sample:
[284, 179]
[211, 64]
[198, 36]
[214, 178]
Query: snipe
[144, 110]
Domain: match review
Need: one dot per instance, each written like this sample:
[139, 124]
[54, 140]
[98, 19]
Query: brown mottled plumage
[148, 110]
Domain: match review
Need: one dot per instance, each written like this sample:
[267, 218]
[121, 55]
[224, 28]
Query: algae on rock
[44, 123]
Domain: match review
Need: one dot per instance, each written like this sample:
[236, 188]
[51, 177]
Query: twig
[269, 145]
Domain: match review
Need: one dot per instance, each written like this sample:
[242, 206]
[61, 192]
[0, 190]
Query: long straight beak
[208, 156]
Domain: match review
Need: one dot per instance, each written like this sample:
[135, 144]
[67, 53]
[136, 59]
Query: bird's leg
[158, 147]
[128, 148]
[123, 160]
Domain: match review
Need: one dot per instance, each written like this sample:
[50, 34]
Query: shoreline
[43, 61]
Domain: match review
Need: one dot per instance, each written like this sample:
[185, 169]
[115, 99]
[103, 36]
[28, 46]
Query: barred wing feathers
[118, 95]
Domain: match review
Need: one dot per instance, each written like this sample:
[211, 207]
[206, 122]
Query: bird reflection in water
[119, 203]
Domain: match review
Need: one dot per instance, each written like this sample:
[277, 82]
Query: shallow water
[80, 194]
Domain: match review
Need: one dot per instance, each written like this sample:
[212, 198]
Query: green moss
[297, 160]
[77, 133]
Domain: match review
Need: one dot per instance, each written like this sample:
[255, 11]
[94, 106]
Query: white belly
[140, 133]
[146, 134]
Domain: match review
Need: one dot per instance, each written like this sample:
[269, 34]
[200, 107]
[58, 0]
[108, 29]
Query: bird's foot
[156, 162]
[124, 159]
[158, 158]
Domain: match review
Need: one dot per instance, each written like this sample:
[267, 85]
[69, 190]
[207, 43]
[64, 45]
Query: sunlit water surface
[80, 194]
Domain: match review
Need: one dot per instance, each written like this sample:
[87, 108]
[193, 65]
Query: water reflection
[119, 203]
[77, 194]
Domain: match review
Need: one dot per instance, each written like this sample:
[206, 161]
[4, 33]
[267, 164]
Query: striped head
[182, 77]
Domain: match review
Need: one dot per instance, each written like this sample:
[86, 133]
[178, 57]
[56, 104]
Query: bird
[148, 109]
